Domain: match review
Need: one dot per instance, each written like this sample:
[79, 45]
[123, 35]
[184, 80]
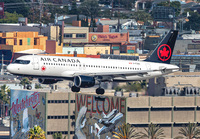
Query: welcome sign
[28, 108]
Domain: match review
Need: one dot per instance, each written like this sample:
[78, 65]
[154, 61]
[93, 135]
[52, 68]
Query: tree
[25, 81]
[10, 17]
[58, 136]
[21, 8]
[91, 9]
[36, 133]
[74, 10]
[175, 4]
[190, 131]
[153, 132]
[142, 16]
[194, 22]
[125, 131]
[4, 94]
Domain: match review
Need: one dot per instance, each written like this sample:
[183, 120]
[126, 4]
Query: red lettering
[116, 106]
[25, 103]
[88, 103]
[121, 105]
[93, 111]
[81, 102]
[97, 107]
[108, 106]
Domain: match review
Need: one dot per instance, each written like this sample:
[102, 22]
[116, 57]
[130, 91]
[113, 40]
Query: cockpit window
[21, 61]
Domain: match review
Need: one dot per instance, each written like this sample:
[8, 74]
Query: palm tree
[126, 132]
[36, 133]
[25, 81]
[153, 132]
[58, 136]
[190, 131]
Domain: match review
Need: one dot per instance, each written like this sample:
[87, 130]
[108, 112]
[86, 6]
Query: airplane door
[35, 63]
[148, 68]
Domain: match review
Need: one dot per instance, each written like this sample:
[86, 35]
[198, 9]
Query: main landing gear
[100, 91]
[75, 89]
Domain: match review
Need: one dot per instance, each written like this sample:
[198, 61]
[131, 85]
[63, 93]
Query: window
[35, 41]
[20, 42]
[67, 35]
[15, 41]
[80, 35]
[21, 62]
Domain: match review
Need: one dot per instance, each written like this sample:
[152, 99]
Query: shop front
[114, 40]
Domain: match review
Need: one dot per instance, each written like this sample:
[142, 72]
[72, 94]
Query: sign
[164, 52]
[105, 37]
[27, 110]
[98, 117]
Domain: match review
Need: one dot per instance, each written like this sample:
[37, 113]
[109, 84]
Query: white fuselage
[68, 67]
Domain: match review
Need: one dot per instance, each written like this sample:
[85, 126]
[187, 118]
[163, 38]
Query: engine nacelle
[47, 81]
[84, 81]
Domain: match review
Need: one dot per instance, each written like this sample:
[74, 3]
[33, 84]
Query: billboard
[28, 108]
[162, 13]
[98, 116]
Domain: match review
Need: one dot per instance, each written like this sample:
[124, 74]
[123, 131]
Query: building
[29, 40]
[179, 80]
[52, 111]
[75, 36]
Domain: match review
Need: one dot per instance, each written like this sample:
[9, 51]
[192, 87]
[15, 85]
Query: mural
[27, 109]
[98, 116]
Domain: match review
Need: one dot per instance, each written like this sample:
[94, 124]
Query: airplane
[88, 72]
[109, 122]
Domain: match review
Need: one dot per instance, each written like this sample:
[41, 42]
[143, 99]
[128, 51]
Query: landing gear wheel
[100, 91]
[75, 89]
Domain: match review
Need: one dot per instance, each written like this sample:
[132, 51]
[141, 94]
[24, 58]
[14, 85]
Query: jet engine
[84, 81]
[47, 81]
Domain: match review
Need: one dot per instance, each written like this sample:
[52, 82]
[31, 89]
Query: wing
[114, 74]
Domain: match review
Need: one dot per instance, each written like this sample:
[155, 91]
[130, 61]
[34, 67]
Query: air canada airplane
[87, 72]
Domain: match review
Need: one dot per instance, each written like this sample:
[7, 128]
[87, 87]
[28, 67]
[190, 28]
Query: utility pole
[118, 27]
[41, 13]
[2, 64]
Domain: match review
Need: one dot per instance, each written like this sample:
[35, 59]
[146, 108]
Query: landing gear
[75, 89]
[100, 91]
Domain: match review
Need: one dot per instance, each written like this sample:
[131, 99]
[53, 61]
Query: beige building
[75, 36]
[21, 41]
[96, 49]
[60, 114]
[171, 113]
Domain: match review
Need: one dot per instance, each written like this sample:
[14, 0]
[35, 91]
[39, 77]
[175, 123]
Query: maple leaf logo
[164, 52]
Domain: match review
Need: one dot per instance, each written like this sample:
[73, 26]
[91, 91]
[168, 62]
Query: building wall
[24, 40]
[70, 50]
[108, 37]
[60, 114]
[54, 32]
[73, 31]
[183, 79]
[96, 49]
[182, 45]
[171, 113]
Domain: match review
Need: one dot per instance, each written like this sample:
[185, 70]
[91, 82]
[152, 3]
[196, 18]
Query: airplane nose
[9, 68]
